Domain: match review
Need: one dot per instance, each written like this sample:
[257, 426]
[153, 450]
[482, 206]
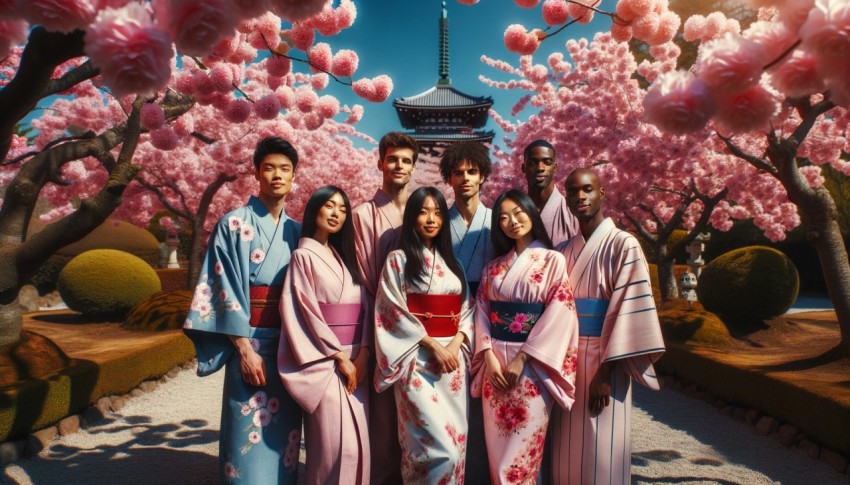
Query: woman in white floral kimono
[526, 339]
[324, 344]
[423, 332]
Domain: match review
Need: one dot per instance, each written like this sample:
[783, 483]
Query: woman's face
[331, 215]
[429, 221]
[514, 221]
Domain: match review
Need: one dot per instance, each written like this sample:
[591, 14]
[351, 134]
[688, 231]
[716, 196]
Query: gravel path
[170, 436]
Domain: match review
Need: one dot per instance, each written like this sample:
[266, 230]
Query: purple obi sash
[342, 318]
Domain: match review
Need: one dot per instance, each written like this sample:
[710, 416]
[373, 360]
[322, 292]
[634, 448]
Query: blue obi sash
[591, 316]
[512, 321]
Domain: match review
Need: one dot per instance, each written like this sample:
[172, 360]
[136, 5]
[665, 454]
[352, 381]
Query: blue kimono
[472, 245]
[260, 426]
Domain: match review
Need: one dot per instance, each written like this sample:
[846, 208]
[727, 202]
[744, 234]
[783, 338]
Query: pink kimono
[515, 421]
[560, 223]
[432, 406]
[323, 312]
[609, 269]
[377, 229]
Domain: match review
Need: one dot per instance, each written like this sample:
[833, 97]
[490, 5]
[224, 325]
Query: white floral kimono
[260, 426]
[432, 407]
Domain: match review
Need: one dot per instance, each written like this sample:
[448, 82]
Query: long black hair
[501, 242]
[411, 243]
[342, 240]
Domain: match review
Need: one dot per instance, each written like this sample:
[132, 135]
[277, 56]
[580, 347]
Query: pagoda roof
[485, 136]
[443, 96]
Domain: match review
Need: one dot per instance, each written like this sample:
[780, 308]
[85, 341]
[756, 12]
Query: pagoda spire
[444, 79]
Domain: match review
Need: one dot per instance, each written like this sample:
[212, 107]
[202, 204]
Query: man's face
[465, 180]
[539, 167]
[584, 194]
[275, 175]
[397, 165]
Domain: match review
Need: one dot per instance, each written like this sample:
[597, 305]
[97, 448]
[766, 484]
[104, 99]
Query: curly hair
[469, 151]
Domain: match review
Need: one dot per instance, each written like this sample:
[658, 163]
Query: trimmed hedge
[106, 284]
[166, 310]
[748, 286]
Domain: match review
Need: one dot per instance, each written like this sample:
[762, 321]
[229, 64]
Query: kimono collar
[262, 212]
[555, 200]
[389, 210]
[588, 249]
[333, 261]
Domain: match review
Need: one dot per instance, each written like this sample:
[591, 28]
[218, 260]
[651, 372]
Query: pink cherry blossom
[251, 8]
[196, 26]
[254, 437]
[579, 11]
[262, 418]
[798, 75]
[295, 10]
[631, 9]
[234, 223]
[826, 31]
[238, 111]
[327, 106]
[133, 57]
[730, 64]
[555, 12]
[518, 40]
[286, 96]
[294, 437]
[375, 90]
[774, 37]
[646, 26]
[59, 15]
[258, 400]
[344, 63]
[222, 295]
[355, 114]
[319, 81]
[152, 116]
[527, 3]
[678, 102]
[274, 405]
[230, 470]
[794, 13]
[320, 57]
[221, 78]
[278, 66]
[12, 32]
[235, 306]
[246, 233]
[267, 107]
[621, 33]
[302, 36]
[749, 110]
[305, 99]
[164, 138]
[257, 256]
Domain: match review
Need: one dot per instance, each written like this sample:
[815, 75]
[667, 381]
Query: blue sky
[400, 38]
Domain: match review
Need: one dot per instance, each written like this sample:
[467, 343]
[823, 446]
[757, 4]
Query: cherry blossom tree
[764, 108]
[123, 104]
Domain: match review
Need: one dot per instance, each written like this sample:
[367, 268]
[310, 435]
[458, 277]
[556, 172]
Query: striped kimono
[607, 270]
[432, 406]
[560, 223]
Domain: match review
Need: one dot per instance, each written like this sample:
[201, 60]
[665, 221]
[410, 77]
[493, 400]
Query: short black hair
[395, 139]
[537, 143]
[471, 151]
[274, 144]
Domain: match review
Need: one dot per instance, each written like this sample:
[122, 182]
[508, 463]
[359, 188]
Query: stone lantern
[688, 288]
[695, 250]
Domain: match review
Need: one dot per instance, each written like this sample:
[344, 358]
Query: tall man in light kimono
[465, 166]
[234, 323]
[539, 166]
[619, 340]
[377, 231]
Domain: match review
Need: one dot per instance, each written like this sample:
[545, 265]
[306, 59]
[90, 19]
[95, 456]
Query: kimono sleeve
[483, 340]
[397, 332]
[631, 332]
[221, 305]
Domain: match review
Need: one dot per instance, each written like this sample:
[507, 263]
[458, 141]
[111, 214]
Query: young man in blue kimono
[234, 322]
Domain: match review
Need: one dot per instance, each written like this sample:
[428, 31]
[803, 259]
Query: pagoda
[443, 114]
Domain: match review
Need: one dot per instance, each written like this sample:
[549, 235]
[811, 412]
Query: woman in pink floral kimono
[324, 344]
[526, 339]
[423, 330]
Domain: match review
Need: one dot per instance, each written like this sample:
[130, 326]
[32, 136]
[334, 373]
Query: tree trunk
[196, 253]
[666, 275]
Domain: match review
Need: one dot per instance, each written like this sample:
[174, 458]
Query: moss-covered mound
[165, 310]
[105, 284]
[748, 286]
[112, 234]
[691, 325]
[32, 357]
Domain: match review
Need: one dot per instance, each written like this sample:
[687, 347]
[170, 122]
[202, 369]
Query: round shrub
[165, 310]
[106, 284]
[749, 285]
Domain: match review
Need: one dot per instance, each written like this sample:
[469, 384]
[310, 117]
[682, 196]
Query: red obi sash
[342, 319]
[265, 306]
[439, 314]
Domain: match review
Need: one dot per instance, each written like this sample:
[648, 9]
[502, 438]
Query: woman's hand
[445, 360]
[347, 369]
[493, 371]
[251, 365]
[514, 369]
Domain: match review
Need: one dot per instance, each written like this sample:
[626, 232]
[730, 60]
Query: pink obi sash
[265, 306]
[342, 318]
[439, 314]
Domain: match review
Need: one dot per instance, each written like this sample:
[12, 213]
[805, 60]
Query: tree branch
[753, 160]
[71, 78]
[203, 138]
[642, 231]
[163, 200]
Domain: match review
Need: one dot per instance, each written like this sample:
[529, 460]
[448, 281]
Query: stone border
[764, 425]
[99, 413]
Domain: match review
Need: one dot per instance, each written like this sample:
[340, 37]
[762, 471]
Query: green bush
[106, 284]
[749, 285]
[165, 310]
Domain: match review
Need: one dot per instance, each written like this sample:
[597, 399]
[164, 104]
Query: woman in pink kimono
[423, 330]
[526, 339]
[324, 343]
